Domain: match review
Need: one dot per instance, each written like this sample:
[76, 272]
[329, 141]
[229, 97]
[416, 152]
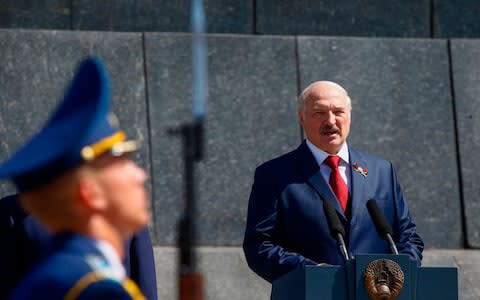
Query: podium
[367, 277]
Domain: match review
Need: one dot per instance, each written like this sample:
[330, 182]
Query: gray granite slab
[467, 263]
[251, 118]
[400, 18]
[402, 111]
[164, 16]
[456, 19]
[224, 270]
[229, 16]
[39, 64]
[44, 14]
[466, 76]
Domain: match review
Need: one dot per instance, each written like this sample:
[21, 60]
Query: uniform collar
[98, 254]
[115, 266]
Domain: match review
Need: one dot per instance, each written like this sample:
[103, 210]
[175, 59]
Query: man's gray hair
[303, 95]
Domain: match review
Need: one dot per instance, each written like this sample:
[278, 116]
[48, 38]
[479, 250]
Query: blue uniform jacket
[24, 240]
[286, 225]
[70, 259]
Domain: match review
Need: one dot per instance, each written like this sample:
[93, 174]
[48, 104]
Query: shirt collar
[115, 269]
[321, 155]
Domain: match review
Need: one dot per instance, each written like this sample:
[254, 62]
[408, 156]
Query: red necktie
[336, 181]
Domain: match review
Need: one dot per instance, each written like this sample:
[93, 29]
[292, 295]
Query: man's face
[325, 116]
[122, 183]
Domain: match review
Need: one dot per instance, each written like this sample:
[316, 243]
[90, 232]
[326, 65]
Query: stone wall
[412, 79]
[413, 99]
[374, 18]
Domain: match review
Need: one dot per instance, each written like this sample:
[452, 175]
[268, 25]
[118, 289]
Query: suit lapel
[358, 183]
[307, 165]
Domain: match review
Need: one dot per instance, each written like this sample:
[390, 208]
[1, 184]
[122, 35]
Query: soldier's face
[122, 183]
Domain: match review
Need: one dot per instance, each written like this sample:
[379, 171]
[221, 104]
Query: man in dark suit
[286, 225]
[25, 240]
[77, 178]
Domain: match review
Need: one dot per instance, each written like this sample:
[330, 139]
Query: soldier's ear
[90, 193]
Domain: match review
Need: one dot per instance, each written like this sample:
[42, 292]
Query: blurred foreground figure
[25, 240]
[76, 177]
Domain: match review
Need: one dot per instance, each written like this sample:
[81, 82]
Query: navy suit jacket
[286, 225]
[69, 260]
[24, 240]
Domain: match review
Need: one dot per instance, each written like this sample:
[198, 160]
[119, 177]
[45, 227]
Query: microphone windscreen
[379, 220]
[333, 221]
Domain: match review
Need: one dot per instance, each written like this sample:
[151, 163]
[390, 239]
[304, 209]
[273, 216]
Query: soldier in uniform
[25, 240]
[76, 177]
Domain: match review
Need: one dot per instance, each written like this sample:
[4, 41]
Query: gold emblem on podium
[383, 279]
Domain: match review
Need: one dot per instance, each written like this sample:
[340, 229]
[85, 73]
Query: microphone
[381, 224]
[336, 228]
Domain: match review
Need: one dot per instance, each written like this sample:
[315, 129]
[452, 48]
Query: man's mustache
[330, 129]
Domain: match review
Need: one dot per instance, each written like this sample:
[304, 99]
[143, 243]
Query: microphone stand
[393, 248]
[343, 248]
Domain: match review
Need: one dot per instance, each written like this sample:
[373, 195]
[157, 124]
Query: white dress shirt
[320, 157]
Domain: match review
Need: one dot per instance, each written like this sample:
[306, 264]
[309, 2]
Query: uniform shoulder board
[83, 283]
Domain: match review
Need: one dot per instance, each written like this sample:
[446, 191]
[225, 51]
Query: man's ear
[90, 193]
[301, 117]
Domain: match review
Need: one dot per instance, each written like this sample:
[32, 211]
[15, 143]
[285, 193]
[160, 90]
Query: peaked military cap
[81, 129]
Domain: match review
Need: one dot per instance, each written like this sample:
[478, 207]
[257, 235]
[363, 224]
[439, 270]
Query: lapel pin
[359, 169]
